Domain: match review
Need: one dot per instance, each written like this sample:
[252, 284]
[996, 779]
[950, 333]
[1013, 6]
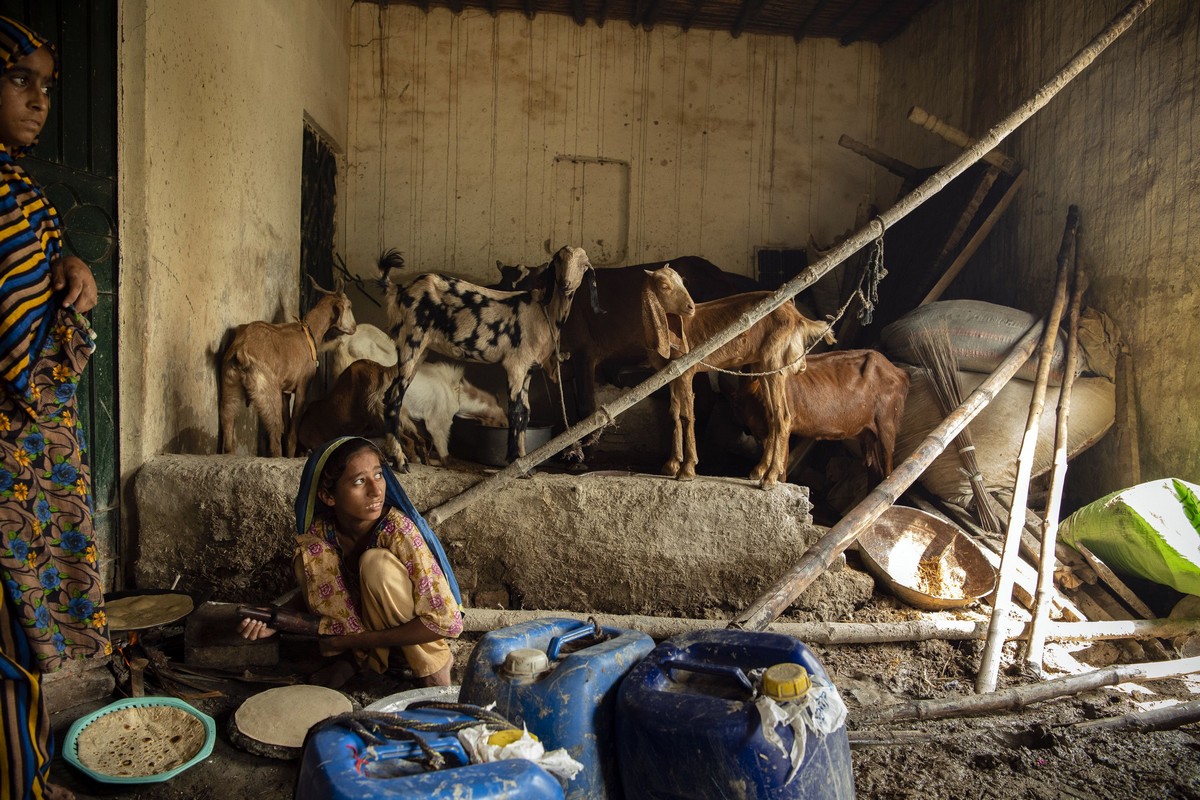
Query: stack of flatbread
[139, 741]
[274, 723]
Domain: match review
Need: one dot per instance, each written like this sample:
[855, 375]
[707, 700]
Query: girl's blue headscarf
[306, 504]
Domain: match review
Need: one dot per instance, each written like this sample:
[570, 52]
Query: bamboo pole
[864, 236]
[1019, 697]
[771, 603]
[989, 664]
[1058, 475]
[926, 628]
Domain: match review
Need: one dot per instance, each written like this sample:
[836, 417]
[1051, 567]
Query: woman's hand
[253, 629]
[71, 272]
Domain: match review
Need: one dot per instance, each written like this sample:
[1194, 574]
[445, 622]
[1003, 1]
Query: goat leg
[673, 463]
[687, 411]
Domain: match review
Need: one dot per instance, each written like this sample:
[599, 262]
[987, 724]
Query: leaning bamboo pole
[860, 239]
[1058, 475]
[989, 663]
[772, 602]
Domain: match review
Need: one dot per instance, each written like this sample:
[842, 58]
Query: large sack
[1151, 530]
[999, 428]
[982, 335]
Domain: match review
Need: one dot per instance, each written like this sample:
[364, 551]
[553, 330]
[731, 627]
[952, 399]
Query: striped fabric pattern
[29, 240]
[24, 757]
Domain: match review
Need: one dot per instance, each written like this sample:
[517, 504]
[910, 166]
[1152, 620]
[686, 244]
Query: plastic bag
[557, 762]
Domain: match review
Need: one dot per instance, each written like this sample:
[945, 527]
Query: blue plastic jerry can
[338, 764]
[692, 721]
[560, 678]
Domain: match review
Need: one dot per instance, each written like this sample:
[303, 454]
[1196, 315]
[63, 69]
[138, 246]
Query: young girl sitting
[369, 566]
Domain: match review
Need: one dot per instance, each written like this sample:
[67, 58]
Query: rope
[376, 728]
[874, 273]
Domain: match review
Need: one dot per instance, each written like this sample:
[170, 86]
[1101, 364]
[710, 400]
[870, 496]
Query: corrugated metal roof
[845, 20]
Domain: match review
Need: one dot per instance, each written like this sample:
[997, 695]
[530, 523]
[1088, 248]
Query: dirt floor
[1030, 753]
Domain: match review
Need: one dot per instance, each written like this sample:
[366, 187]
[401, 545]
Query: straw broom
[933, 351]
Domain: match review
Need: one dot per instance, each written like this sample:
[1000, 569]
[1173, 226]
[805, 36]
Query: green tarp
[1151, 530]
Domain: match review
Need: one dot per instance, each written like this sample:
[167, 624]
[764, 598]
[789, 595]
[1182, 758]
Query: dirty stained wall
[475, 138]
[213, 97]
[1121, 143]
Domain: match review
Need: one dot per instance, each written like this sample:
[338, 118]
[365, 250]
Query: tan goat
[266, 362]
[776, 344]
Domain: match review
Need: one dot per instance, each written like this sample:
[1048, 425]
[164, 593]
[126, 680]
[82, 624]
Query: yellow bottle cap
[505, 738]
[786, 682]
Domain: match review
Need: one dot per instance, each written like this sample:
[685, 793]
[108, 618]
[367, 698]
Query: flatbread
[282, 716]
[139, 741]
[141, 611]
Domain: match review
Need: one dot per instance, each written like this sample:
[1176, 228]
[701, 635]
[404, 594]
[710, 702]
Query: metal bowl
[484, 444]
[926, 561]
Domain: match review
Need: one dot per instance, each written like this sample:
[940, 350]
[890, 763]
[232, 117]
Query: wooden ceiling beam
[690, 19]
[802, 30]
[530, 8]
[579, 12]
[650, 17]
[746, 15]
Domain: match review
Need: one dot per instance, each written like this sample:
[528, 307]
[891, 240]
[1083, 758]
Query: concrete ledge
[614, 544]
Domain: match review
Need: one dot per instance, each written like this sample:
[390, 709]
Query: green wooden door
[76, 163]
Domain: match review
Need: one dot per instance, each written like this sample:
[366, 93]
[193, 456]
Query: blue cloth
[307, 500]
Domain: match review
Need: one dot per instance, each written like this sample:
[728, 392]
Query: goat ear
[654, 325]
[675, 325]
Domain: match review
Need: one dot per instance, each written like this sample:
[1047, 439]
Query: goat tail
[389, 261]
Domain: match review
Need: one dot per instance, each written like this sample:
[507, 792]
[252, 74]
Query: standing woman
[52, 609]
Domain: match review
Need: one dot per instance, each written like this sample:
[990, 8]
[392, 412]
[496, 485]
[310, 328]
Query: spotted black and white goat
[518, 330]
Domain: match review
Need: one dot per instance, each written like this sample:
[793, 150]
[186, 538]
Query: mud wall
[476, 137]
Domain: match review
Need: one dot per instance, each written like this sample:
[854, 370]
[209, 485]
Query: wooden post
[1058, 476]
[864, 236]
[953, 135]
[892, 165]
[771, 603]
[989, 665]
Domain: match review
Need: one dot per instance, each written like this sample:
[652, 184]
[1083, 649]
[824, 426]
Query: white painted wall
[1121, 143]
[710, 145]
[213, 97]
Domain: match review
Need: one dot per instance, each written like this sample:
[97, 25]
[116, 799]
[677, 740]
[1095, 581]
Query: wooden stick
[1019, 697]
[954, 136]
[1129, 453]
[771, 603]
[977, 238]
[892, 165]
[989, 664]
[1158, 719]
[866, 235]
[1115, 583]
[1058, 475]
[925, 628]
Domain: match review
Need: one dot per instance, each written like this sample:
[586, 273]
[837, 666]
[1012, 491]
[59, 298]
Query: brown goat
[265, 362]
[842, 395]
[614, 338]
[775, 344]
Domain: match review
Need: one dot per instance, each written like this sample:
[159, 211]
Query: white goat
[438, 393]
[266, 362]
[367, 342]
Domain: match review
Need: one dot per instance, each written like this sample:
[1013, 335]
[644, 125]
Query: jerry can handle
[710, 669]
[585, 629]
